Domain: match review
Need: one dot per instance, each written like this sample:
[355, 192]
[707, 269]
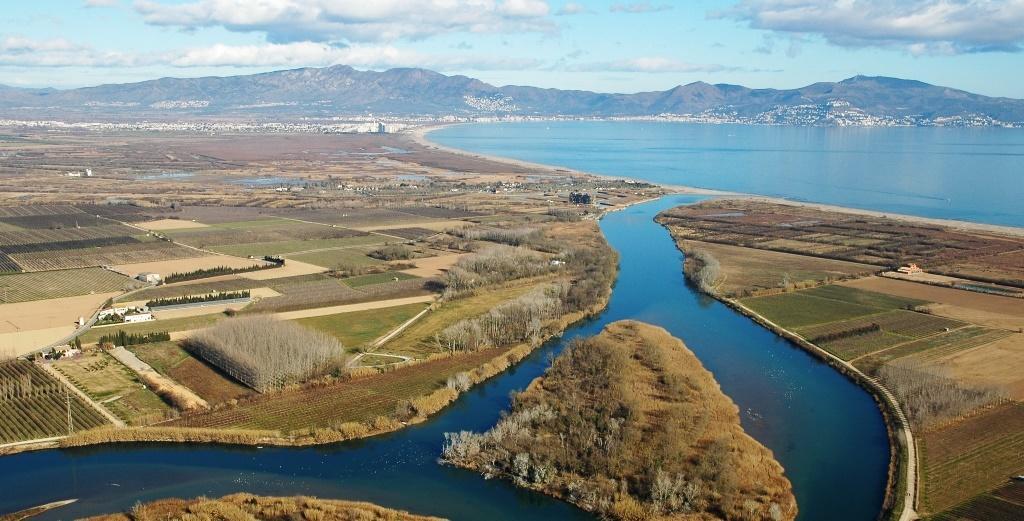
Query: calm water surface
[950, 173]
[826, 432]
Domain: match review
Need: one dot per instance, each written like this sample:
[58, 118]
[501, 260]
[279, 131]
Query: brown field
[434, 266]
[170, 224]
[139, 252]
[356, 400]
[970, 457]
[27, 326]
[23, 287]
[1000, 363]
[201, 261]
[970, 306]
[753, 269]
[852, 237]
[291, 268]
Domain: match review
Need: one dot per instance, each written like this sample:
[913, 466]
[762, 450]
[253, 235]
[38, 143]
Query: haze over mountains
[343, 91]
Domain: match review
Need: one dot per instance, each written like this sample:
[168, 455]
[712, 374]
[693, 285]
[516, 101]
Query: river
[970, 174]
[826, 431]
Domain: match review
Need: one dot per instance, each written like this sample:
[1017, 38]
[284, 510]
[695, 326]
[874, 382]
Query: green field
[23, 287]
[109, 382]
[282, 247]
[359, 328]
[796, 309]
[330, 259]
[376, 278]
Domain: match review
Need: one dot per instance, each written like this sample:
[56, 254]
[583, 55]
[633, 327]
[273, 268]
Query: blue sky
[616, 46]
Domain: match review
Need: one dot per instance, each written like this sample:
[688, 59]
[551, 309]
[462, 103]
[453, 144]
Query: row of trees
[265, 353]
[519, 320]
[392, 252]
[122, 338]
[217, 271]
[846, 333]
[195, 299]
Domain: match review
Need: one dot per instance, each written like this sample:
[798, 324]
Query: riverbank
[421, 137]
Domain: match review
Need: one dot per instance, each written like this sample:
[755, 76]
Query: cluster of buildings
[79, 173]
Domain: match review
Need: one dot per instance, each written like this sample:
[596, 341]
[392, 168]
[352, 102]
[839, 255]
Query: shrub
[392, 252]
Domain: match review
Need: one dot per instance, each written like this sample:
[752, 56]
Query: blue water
[827, 432]
[965, 174]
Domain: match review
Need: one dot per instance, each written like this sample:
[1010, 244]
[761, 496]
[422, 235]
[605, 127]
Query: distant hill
[342, 90]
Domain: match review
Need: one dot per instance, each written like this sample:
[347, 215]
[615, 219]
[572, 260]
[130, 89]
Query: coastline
[420, 136]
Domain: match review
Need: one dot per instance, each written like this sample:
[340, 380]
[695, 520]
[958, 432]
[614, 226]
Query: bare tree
[265, 353]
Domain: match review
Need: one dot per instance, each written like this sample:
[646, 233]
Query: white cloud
[18, 51]
[918, 26]
[102, 3]
[639, 7]
[352, 20]
[571, 8]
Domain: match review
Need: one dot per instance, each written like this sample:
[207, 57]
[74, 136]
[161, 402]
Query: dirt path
[85, 397]
[347, 308]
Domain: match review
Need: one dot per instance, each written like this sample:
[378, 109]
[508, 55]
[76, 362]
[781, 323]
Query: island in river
[629, 424]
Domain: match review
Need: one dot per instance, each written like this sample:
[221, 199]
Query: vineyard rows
[109, 256]
[23, 287]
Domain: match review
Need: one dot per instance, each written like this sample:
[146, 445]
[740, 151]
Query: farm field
[1004, 504]
[283, 247]
[376, 278]
[109, 382]
[972, 457]
[131, 253]
[23, 287]
[34, 405]
[359, 328]
[170, 224]
[291, 268]
[171, 360]
[357, 400]
[330, 259]
[27, 326]
[999, 363]
[969, 306]
[199, 287]
[747, 270]
[201, 261]
[434, 266]
[865, 239]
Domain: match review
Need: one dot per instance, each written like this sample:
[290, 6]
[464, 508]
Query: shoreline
[420, 136]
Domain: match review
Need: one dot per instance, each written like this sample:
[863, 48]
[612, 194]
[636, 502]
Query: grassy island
[630, 425]
[247, 506]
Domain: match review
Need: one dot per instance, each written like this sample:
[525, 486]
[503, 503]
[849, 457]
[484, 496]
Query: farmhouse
[149, 277]
[138, 317]
[910, 269]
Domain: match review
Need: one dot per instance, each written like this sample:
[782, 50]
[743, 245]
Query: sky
[607, 46]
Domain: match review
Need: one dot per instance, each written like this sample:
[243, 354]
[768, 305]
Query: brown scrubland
[628, 424]
[247, 507]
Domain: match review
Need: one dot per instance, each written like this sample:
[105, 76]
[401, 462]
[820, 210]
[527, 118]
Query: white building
[150, 277]
[139, 317]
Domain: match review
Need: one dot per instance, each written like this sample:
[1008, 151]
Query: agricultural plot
[849, 339]
[797, 309]
[117, 387]
[434, 212]
[934, 346]
[23, 287]
[359, 328]
[262, 231]
[336, 258]
[292, 246]
[353, 217]
[995, 506]
[170, 325]
[169, 359]
[34, 405]
[356, 400]
[412, 234]
[376, 278]
[131, 253]
[971, 457]
[195, 288]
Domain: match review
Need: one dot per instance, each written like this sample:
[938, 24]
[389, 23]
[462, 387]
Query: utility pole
[67, 398]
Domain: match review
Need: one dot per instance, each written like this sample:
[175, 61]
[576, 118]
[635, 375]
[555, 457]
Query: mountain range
[343, 91]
